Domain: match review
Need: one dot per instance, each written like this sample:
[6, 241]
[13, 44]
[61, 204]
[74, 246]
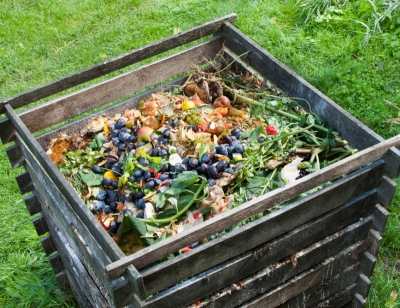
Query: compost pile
[191, 152]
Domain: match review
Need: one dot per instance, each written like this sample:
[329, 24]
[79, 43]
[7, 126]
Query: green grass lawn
[350, 50]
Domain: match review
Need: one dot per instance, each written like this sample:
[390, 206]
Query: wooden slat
[32, 204]
[83, 285]
[340, 299]
[272, 276]
[79, 102]
[24, 182]
[358, 134]
[56, 263]
[221, 222]
[48, 245]
[363, 285]
[358, 301]
[116, 63]
[59, 210]
[94, 260]
[386, 191]
[255, 233]
[136, 281]
[74, 127]
[15, 156]
[381, 216]
[40, 225]
[367, 264]
[324, 288]
[298, 285]
[375, 239]
[246, 264]
[62, 280]
[65, 189]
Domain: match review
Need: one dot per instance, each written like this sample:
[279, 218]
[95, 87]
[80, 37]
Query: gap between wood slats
[24, 183]
[32, 204]
[116, 63]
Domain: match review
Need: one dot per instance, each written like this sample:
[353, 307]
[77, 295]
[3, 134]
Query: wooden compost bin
[318, 250]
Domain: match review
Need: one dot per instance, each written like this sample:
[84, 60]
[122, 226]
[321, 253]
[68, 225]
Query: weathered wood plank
[363, 285]
[40, 225]
[386, 191]
[58, 207]
[302, 283]
[94, 260]
[24, 182]
[15, 156]
[56, 263]
[79, 102]
[136, 281]
[82, 283]
[320, 291]
[358, 134]
[65, 188]
[358, 301]
[381, 216]
[367, 264]
[74, 127]
[48, 245]
[255, 233]
[272, 276]
[32, 204]
[221, 222]
[375, 239]
[340, 299]
[246, 264]
[116, 63]
[62, 280]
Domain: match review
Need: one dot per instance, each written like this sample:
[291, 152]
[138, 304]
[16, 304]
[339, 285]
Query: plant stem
[283, 113]
[187, 207]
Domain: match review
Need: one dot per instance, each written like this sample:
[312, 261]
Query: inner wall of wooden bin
[116, 88]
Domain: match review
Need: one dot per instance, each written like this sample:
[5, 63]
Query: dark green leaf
[139, 227]
[185, 178]
[90, 178]
[166, 214]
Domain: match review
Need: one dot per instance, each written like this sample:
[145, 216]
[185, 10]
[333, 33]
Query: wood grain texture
[48, 245]
[340, 299]
[65, 189]
[40, 225]
[32, 204]
[263, 256]
[83, 285]
[386, 191]
[255, 206]
[358, 134]
[302, 283]
[255, 233]
[270, 277]
[24, 182]
[116, 63]
[66, 218]
[95, 96]
[323, 289]
[95, 260]
[74, 127]
[15, 156]
[136, 281]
